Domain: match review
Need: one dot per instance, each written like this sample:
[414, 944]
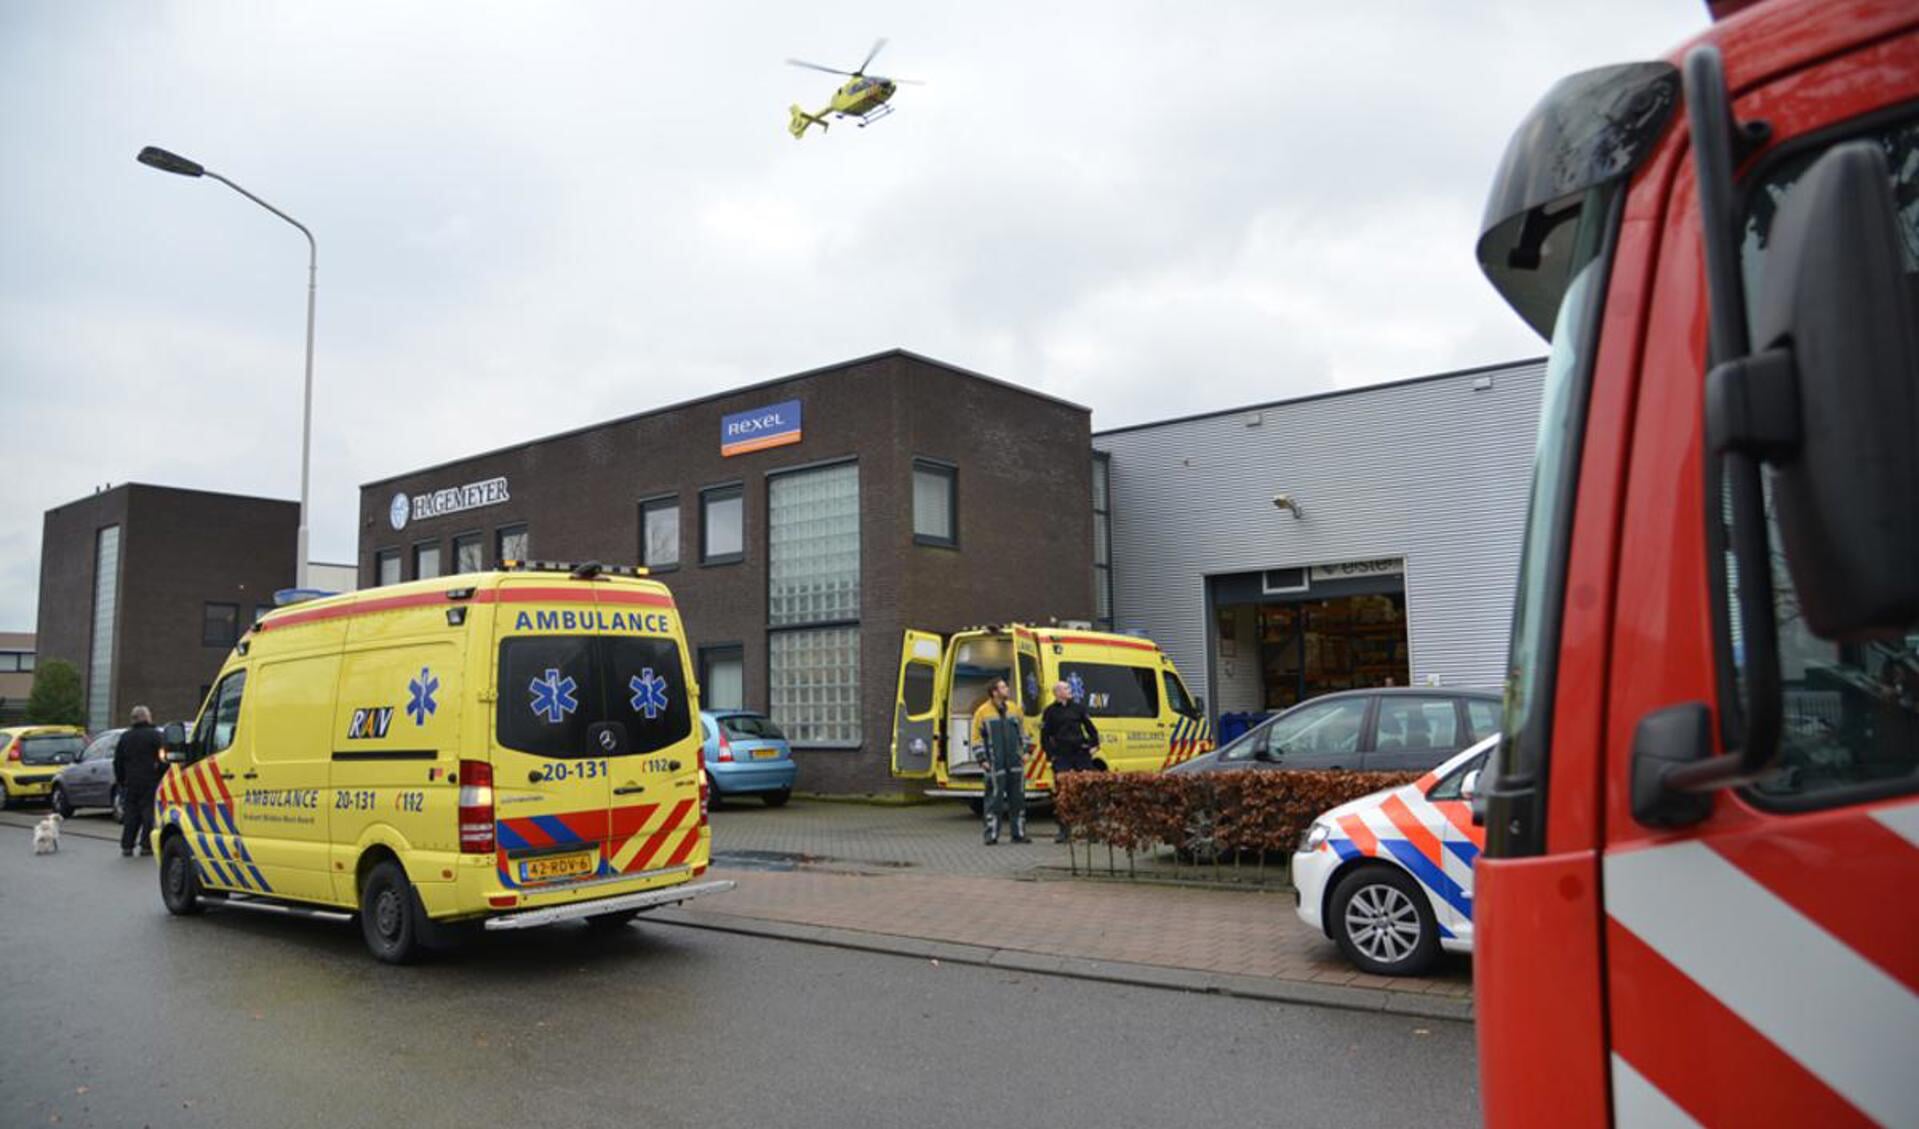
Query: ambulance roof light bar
[581, 570]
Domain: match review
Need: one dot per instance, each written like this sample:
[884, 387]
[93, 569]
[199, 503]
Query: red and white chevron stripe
[1769, 977]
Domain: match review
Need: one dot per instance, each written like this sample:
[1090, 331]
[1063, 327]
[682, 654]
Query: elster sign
[760, 428]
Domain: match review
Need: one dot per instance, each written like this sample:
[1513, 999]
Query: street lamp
[174, 163]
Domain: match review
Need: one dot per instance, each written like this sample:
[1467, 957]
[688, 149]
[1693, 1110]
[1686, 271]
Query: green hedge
[1208, 814]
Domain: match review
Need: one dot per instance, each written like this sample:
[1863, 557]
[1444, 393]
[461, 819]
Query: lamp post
[172, 162]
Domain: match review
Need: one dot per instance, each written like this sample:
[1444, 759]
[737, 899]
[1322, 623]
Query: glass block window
[814, 676]
[813, 546]
[106, 604]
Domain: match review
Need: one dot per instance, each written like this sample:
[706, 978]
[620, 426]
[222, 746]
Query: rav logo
[370, 723]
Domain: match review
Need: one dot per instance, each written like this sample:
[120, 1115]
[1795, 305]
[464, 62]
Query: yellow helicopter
[863, 97]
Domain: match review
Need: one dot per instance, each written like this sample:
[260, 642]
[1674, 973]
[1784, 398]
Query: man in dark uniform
[1067, 736]
[1000, 745]
[138, 761]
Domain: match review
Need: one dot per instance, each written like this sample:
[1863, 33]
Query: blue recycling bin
[1232, 725]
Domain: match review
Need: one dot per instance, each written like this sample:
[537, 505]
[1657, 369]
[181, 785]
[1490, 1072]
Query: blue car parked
[746, 755]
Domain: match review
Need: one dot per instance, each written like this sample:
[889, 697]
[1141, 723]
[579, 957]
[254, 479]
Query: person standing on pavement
[999, 742]
[138, 761]
[1067, 737]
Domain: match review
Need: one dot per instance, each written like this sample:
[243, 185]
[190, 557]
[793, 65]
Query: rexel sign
[760, 428]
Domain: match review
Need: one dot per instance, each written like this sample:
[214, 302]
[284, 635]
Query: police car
[1389, 876]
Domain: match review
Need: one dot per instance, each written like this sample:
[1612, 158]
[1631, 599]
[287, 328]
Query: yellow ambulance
[1147, 721]
[494, 750]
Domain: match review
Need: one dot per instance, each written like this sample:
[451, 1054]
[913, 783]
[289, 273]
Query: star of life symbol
[422, 688]
[649, 693]
[553, 696]
[1078, 686]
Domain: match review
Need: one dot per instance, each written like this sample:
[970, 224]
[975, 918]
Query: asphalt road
[118, 1015]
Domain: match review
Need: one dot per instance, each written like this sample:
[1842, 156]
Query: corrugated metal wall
[1432, 470]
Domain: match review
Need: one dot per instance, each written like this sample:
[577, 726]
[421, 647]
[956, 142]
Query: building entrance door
[1284, 636]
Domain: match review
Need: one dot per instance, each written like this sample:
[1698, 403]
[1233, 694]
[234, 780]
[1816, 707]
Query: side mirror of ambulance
[1829, 398]
[176, 739]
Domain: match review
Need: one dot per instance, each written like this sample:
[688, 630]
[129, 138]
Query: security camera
[1286, 502]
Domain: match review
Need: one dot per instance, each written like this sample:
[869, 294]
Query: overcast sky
[537, 216]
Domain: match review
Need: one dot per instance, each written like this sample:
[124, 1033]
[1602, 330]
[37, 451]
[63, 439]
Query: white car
[1390, 876]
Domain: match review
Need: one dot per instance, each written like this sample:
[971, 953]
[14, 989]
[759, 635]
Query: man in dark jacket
[1067, 736]
[138, 761]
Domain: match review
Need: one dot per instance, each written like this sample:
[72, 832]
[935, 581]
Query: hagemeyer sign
[760, 428]
[452, 500]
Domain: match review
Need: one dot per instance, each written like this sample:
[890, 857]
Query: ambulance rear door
[919, 703]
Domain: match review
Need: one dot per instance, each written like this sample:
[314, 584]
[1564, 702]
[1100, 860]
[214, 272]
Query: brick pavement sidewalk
[920, 873]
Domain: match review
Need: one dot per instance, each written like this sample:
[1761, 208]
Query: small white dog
[46, 835]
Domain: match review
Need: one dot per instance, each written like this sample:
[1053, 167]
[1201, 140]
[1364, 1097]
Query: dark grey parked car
[88, 782]
[1389, 730]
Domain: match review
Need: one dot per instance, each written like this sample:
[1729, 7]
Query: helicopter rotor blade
[877, 44]
[816, 67]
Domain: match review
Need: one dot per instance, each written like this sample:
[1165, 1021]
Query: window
[1113, 691]
[26, 661]
[426, 560]
[1450, 785]
[1103, 539]
[660, 534]
[814, 679]
[752, 727]
[386, 567]
[813, 546]
[1305, 737]
[223, 716]
[220, 625]
[723, 678]
[103, 746]
[1407, 722]
[1851, 710]
[510, 543]
[1032, 695]
[106, 602]
[1484, 716]
[469, 553]
[52, 748]
[916, 689]
[722, 525]
[1176, 695]
[9, 662]
[553, 688]
[935, 503]
[813, 578]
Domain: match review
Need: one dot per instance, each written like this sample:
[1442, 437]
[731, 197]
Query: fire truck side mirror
[1829, 397]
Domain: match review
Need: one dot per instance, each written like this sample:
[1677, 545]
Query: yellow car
[33, 756]
[1147, 721]
[497, 750]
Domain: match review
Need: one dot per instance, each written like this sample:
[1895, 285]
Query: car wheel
[1383, 922]
[777, 799]
[62, 806]
[386, 915]
[118, 804]
[609, 921]
[179, 884]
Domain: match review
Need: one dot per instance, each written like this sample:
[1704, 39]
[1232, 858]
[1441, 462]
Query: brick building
[802, 523]
[146, 588]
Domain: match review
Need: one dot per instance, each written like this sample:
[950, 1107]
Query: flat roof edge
[696, 401]
[1476, 370]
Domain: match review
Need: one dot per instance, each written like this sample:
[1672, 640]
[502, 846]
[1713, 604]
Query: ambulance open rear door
[918, 706]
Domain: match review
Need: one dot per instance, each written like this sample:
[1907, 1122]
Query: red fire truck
[1699, 898]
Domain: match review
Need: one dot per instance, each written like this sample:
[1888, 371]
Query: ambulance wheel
[62, 806]
[1383, 922]
[179, 885]
[386, 915]
[777, 799]
[977, 807]
[606, 922]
